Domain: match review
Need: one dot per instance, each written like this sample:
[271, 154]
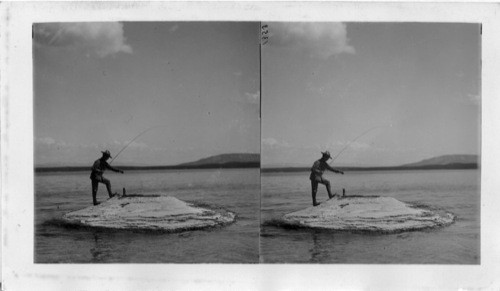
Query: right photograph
[370, 143]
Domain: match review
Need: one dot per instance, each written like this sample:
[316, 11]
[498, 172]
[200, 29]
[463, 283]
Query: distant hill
[446, 160]
[214, 162]
[441, 162]
[253, 161]
[225, 159]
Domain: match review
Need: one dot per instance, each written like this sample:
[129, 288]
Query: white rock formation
[372, 214]
[153, 212]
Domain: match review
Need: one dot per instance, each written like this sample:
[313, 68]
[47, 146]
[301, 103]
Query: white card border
[19, 271]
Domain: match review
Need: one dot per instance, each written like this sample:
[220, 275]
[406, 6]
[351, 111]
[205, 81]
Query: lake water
[456, 191]
[236, 190]
[239, 191]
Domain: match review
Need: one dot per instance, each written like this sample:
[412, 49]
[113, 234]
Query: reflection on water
[318, 252]
[237, 190]
[100, 251]
[454, 191]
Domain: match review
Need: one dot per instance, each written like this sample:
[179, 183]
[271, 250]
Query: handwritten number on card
[264, 34]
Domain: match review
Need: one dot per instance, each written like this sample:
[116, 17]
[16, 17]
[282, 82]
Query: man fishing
[317, 176]
[98, 169]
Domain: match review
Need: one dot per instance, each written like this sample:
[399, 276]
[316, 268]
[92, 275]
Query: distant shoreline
[234, 165]
[237, 165]
[393, 168]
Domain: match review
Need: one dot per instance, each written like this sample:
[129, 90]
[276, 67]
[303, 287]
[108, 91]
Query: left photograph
[147, 142]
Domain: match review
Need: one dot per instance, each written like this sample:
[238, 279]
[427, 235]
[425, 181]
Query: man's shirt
[319, 167]
[99, 167]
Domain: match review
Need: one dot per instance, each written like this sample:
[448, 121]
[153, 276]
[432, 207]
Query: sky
[380, 94]
[375, 94]
[191, 88]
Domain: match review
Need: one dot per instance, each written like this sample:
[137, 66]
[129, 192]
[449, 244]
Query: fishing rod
[359, 136]
[136, 137]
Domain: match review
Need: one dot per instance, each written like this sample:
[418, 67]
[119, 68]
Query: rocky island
[148, 212]
[367, 214]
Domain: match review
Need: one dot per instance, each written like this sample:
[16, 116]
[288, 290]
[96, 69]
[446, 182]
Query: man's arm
[113, 169]
[333, 170]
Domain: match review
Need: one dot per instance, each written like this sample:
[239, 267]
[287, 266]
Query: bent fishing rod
[356, 138]
[136, 137]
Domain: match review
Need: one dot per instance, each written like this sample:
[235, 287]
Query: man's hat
[326, 154]
[106, 153]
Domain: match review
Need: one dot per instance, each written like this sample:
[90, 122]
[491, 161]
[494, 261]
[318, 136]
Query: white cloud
[132, 145]
[318, 39]
[253, 98]
[100, 38]
[475, 99]
[138, 145]
[274, 143]
[45, 141]
[49, 142]
[360, 146]
[174, 28]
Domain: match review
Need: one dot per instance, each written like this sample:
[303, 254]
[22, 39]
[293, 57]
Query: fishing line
[136, 137]
[359, 136]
